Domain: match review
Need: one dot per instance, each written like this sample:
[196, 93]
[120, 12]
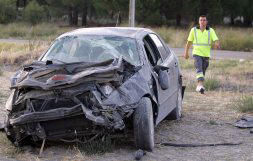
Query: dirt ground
[206, 119]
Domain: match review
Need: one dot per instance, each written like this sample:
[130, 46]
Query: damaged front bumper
[94, 99]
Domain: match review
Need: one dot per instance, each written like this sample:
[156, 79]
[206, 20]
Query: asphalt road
[221, 54]
[216, 54]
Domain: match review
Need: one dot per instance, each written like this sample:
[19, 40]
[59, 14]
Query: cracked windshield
[96, 48]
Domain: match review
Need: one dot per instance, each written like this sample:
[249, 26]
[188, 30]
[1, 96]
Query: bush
[7, 11]
[34, 13]
[211, 84]
[244, 104]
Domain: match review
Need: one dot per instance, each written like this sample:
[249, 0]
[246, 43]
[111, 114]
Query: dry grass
[238, 39]
[1, 71]
[98, 146]
[18, 54]
[173, 36]
[211, 84]
[225, 75]
[8, 149]
[244, 103]
[41, 31]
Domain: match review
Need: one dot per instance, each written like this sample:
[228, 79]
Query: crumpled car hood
[96, 94]
[37, 75]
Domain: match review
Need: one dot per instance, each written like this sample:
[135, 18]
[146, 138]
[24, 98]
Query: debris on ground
[199, 145]
[244, 122]
[139, 154]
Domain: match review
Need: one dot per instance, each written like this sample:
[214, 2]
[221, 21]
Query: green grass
[244, 104]
[98, 146]
[211, 84]
[212, 122]
[186, 64]
[223, 63]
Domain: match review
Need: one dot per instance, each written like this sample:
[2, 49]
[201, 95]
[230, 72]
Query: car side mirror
[163, 76]
[157, 68]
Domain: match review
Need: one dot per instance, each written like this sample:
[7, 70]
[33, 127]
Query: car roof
[132, 32]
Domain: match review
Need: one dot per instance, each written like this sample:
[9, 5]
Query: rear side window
[160, 46]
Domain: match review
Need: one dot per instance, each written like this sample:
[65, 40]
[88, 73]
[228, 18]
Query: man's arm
[187, 47]
[216, 44]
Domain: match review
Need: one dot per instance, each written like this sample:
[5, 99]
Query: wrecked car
[96, 80]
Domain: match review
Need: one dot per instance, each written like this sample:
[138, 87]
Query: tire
[144, 125]
[177, 112]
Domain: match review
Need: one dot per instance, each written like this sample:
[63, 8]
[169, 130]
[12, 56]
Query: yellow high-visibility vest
[202, 41]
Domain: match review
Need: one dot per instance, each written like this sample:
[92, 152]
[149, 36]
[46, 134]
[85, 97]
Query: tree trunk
[247, 21]
[70, 16]
[232, 21]
[75, 16]
[178, 19]
[84, 14]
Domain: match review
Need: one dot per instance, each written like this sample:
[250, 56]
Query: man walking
[202, 38]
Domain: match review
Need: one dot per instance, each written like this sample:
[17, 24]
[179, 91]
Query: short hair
[203, 16]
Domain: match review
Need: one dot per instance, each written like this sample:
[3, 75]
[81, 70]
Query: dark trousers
[201, 64]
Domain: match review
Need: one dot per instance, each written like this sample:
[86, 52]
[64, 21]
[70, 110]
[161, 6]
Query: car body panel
[100, 94]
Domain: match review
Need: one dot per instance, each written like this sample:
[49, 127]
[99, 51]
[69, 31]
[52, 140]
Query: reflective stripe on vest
[201, 44]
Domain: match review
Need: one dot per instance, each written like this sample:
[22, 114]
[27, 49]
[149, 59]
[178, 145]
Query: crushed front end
[65, 101]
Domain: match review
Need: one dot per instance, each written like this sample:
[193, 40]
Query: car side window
[160, 45]
[152, 51]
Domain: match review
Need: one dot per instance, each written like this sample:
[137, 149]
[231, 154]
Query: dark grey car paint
[112, 109]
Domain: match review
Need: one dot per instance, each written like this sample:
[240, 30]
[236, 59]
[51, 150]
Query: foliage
[244, 104]
[34, 13]
[211, 84]
[99, 145]
[7, 11]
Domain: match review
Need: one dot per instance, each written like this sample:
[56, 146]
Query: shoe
[200, 89]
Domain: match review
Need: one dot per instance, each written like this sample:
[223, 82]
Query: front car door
[158, 54]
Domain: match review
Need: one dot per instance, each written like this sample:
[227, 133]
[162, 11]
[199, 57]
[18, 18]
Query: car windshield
[93, 48]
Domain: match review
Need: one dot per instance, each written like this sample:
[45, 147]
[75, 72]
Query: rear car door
[158, 54]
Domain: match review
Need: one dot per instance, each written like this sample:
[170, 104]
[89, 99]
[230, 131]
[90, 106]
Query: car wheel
[176, 113]
[144, 125]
